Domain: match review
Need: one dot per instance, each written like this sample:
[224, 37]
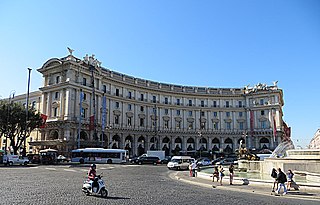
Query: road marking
[70, 170]
[52, 169]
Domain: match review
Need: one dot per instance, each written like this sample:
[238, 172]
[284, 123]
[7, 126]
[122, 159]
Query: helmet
[93, 166]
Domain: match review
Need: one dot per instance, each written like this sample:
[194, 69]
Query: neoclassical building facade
[315, 141]
[140, 115]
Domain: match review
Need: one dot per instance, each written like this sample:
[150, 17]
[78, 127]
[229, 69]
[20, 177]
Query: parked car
[62, 158]
[203, 162]
[180, 162]
[166, 160]
[148, 160]
[227, 161]
[15, 159]
[34, 158]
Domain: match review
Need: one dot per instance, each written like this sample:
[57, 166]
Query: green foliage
[13, 124]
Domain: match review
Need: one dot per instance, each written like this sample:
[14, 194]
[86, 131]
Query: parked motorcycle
[98, 189]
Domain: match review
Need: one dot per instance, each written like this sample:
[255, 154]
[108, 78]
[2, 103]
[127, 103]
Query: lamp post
[8, 119]
[27, 114]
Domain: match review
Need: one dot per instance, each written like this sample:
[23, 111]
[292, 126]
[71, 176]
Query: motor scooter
[98, 189]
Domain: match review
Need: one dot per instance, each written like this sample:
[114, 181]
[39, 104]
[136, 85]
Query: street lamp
[27, 114]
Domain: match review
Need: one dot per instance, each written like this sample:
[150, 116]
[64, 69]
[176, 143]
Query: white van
[15, 159]
[180, 162]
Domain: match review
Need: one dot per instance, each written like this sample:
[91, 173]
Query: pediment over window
[190, 119]
[55, 104]
[142, 115]
[202, 120]
[215, 120]
[166, 118]
[129, 114]
[117, 112]
[241, 120]
[227, 120]
[178, 119]
[261, 119]
[153, 117]
[52, 62]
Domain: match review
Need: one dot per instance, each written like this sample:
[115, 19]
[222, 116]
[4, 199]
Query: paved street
[127, 184]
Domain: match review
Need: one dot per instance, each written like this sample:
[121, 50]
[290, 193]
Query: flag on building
[44, 120]
[287, 132]
[91, 125]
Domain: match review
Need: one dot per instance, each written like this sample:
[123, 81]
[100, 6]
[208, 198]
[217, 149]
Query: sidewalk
[255, 186]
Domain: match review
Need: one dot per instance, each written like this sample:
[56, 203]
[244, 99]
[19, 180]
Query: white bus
[99, 155]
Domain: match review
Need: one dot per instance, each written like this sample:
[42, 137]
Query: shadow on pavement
[116, 197]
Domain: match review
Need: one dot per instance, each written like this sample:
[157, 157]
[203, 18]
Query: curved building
[122, 111]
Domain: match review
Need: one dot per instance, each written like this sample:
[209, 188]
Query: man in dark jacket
[281, 179]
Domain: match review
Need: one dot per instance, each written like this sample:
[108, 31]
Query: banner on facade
[251, 121]
[104, 111]
[91, 125]
[44, 120]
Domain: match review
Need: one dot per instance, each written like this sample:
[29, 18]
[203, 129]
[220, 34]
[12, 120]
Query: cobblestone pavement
[127, 184]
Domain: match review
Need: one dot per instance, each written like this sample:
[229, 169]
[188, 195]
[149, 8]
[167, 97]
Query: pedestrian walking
[231, 173]
[274, 175]
[215, 174]
[194, 167]
[281, 179]
[290, 179]
[190, 169]
[221, 174]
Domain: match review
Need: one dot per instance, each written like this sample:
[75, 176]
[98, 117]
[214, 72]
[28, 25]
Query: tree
[13, 125]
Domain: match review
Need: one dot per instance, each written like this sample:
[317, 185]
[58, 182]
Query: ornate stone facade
[315, 142]
[143, 115]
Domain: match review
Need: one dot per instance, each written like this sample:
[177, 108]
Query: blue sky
[202, 43]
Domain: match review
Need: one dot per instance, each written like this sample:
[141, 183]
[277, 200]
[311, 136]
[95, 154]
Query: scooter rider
[92, 175]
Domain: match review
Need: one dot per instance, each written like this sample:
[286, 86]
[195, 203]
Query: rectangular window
[104, 88]
[228, 125]
[215, 125]
[154, 110]
[166, 111]
[202, 103]
[178, 101]
[202, 114]
[178, 124]
[117, 105]
[116, 119]
[178, 112]
[190, 113]
[263, 124]
[215, 114]
[228, 114]
[166, 124]
[190, 102]
[240, 103]
[166, 100]
[261, 101]
[141, 122]
[84, 96]
[117, 92]
[240, 114]
[129, 121]
[56, 95]
[202, 125]
[214, 103]
[55, 112]
[154, 99]
[227, 104]
[262, 112]
[84, 81]
[129, 107]
[241, 127]
[141, 108]
[129, 94]
[141, 97]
